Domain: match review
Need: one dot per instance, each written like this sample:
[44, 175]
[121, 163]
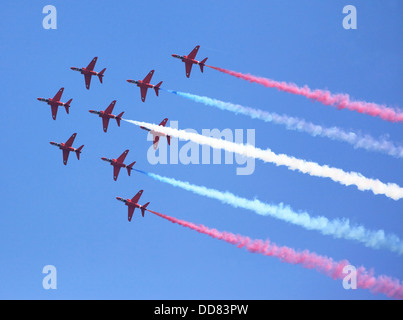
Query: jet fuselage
[129, 203]
[103, 114]
[84, 71]
[114, 163]
[51, 101]
[186, 59]
[62, 146]
[141, 83]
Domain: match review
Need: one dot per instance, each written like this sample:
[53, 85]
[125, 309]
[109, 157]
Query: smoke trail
[340, 101]
[390, 190]
[356, 139]
[339, 228]
[392, 288]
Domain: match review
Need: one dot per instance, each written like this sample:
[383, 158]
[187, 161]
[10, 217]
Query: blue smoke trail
[355, 139]
[339, 228]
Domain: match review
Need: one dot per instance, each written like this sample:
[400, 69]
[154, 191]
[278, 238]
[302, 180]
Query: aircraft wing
[66, 154]
[122, 158]
[58, 95]
[109, 110]
[105, 123]
[193, 54]
[148, 78]
[131, 211]
[54, 111]
[91, 66]
[143, 91]
[116, 171]
[156, 141]
[189, 66]
[164, 122]
[87, 78]
[136, 198]
[70, 142]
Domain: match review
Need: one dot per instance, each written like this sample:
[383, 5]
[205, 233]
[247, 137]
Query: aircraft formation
[107, 115]
[383, 284]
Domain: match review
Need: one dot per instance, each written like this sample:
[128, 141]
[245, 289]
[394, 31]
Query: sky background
[67, 216]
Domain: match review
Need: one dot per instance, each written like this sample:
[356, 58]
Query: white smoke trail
[390, 190]
[338, 228]
[355, 139]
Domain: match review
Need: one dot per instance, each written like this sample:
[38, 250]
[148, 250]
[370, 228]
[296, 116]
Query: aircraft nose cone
[129, 80]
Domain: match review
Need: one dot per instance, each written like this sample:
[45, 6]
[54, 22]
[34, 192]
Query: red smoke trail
[365, 280]
[340, 101]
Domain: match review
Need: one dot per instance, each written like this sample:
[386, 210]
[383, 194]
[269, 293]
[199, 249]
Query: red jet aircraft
[190, 61]
[118, 164]
[67, 148]
[89, 72]
[55, 103]
[107, 115]
[144, 85]
[133, 204]
[157, 135]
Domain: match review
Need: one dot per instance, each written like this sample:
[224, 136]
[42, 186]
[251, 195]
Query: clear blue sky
[68, 216]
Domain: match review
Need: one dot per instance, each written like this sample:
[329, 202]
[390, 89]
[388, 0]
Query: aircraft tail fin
[118, 118]
[157, 88]
[78, 151]
[101, 75]
[130, 167]
[67, 105]
[144, 208]
[202, 64]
